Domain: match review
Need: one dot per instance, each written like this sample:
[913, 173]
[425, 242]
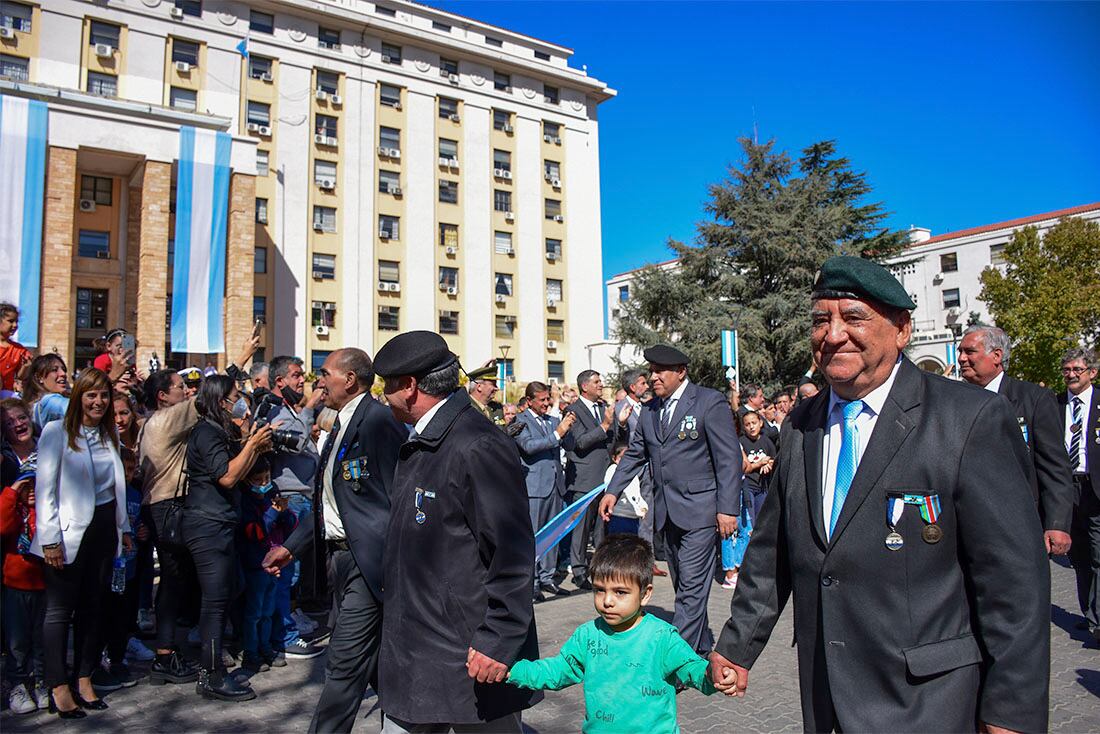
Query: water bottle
[118, 575]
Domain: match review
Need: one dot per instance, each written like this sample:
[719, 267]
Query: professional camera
[285, 441]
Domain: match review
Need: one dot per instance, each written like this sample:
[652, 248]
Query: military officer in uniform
[459, 555]
[687, 438]
[901, 519]
[483, 387]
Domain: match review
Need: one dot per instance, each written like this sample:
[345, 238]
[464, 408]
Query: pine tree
[1048, 297]
[772, 223]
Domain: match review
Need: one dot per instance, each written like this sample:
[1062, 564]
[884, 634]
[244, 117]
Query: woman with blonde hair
[80, 503]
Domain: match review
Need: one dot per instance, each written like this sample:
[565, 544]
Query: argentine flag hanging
[202, 209]
[23, 163]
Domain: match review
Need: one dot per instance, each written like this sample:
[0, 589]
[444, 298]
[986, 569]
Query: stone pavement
[286, 695]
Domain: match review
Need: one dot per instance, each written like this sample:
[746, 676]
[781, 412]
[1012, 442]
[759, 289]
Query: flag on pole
[242, 47]
[730, 357]
[22, 185]
[952, 354]
[552, 533]
[202, 212]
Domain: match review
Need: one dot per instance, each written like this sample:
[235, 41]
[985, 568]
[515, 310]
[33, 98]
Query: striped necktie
[1075, 433]
[848, 463]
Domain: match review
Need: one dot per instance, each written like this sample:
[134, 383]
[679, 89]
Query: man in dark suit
[1080, 409]
[586, 464]
[352, 503]
[686, 436]
[459, 555]
[540, 447]
[983, 358]
[901, 519]
[628, 411]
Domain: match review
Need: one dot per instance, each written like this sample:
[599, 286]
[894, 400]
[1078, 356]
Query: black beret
[414, 353]
[844, 276]
[664, 354]
[487, 371]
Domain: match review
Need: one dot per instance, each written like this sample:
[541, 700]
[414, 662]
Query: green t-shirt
[629, 677]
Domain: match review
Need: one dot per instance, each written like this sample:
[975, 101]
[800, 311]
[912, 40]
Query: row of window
[329, 38]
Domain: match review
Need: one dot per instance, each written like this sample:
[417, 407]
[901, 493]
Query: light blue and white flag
[553, 532]
[202, 212]
[952, 354]
[22, 181]
[242, 47]
[730, 356]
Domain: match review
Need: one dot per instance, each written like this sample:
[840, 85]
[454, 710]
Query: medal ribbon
[929, 505]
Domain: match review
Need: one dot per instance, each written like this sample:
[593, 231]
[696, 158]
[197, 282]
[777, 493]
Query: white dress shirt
[592, 409]
[334, 526]
[995, 384]
[1086, 405]
[834, 433]
[669, 406]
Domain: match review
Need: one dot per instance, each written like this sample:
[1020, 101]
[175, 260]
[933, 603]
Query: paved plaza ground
[287, 695]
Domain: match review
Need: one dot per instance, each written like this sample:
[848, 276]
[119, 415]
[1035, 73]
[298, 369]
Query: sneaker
[320, 634]
[20, 701]
[42, 695]
[730, 583]
[304, 623]
[302, 650]
[136, 650]
[122, 674]
[104, 681]
[145, 620]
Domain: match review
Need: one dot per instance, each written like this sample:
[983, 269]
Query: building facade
[942, 275]
[395, 167]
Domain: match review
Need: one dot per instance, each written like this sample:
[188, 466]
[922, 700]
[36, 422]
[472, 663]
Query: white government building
[942, 279]
[413, 169]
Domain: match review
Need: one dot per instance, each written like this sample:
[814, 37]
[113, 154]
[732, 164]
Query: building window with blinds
[388, 318]
[324, 218]
[502, 243]
[502, 200]
[555, 330]
[324, 266]
[448, 235]
[448, 322]
[505, 326]
[389, 271]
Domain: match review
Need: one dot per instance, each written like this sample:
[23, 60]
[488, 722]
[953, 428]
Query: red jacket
[23, 572]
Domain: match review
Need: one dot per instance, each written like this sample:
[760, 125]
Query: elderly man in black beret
[459, 555]
[901, 519]
[687, 438]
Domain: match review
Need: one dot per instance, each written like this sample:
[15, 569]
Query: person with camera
[81, 527]
[162, 451]
[294, 466]
[219, 455]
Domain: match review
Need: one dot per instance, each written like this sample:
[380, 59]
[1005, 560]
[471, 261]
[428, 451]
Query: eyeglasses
[1075, 370]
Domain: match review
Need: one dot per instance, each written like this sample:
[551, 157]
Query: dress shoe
[218, 686]
[554, 590]
[74, 713]
[538, 597]
[582, 583]
[172, 668]
[658, 571]
[96, 705]
[1082, 625]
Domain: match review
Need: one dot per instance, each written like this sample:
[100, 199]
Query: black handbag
[173, 514]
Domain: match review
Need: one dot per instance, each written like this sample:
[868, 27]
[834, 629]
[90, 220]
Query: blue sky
[962, 114]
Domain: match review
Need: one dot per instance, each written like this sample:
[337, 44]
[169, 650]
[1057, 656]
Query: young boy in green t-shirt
[630, 661]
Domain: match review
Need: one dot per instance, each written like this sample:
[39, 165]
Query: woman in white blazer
[80, 503]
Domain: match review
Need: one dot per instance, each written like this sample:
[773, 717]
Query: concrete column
[147, 259]
[239, 255]
[58, 295]
[130, 305]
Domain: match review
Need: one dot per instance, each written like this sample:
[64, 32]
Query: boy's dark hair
[7, 308]
[261, 465]
[623, 556]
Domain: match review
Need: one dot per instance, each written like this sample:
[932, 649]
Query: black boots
[172, 668]
[216, 685]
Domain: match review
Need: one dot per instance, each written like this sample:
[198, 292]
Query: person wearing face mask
[265, 523]
[294, 473]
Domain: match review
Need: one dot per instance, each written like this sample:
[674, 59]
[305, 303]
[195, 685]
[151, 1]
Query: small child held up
[630, 662]
[265, 523]
[631, 508]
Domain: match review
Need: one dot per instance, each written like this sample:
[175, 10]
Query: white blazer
[64, 492]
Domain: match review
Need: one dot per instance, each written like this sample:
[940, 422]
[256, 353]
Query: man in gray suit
[586, 464]
[687, 437]
[539, 450]
[901, 519]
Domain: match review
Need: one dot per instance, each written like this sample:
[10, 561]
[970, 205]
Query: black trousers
[214, 552]
[178, 592]
[353, 648]
[1084, 554]
[74, 596]
[120, 620]
[589, 529]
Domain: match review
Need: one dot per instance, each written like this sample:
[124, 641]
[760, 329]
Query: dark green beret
[664, 354]
[485, 372]
[414, 353]
[844, 276]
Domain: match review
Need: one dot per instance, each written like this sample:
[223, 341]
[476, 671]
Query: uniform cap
[487, 371]
[414, 353]
[844, 276]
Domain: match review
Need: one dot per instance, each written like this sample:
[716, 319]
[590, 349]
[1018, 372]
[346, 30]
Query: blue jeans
[259, 604]
[284, 631]
[733, 547]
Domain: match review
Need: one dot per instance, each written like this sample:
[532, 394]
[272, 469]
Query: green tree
[1048, 297]
[772, 222]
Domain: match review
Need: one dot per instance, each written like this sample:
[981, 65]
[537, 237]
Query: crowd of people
[238, 495]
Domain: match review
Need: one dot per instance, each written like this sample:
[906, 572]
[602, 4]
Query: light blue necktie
[849, 460]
